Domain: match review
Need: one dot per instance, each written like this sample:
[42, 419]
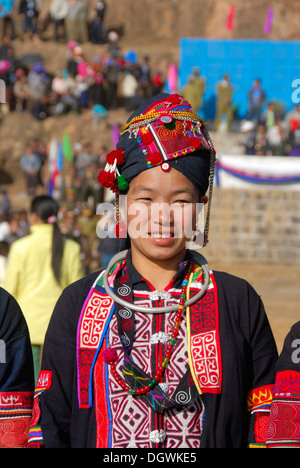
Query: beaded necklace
[110, 355]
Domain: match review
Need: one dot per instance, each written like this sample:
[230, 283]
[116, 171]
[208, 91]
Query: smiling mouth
[161, 235]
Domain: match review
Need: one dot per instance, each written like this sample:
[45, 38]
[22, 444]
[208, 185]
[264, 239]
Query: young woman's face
[161, 213]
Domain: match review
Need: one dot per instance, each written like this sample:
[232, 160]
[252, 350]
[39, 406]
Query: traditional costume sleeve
[55, 393]
[249, 357]
[16, 374]
[284, 429]
[264, 355]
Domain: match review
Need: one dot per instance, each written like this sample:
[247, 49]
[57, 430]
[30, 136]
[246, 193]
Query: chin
[155, 251]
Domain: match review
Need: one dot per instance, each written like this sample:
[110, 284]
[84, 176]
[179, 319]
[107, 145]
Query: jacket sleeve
[264, 358]
[55, 394]
[250, 320]
[284, 428]
[16, 374]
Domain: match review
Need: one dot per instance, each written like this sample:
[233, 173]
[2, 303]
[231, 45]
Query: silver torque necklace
[199, 260]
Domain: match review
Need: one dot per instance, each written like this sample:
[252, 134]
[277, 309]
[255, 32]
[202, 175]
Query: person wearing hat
[157, 351]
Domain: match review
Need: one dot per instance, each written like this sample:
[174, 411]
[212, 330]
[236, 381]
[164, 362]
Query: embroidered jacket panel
[134, 422]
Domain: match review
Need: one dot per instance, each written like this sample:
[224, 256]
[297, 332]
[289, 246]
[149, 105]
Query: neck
[158, 272]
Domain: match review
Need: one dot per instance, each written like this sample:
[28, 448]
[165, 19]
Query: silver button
[157, 437]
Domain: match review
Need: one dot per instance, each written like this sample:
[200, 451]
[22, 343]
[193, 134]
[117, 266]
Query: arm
[55, 395]
[16, 374]
[284, 428]
[264, 357]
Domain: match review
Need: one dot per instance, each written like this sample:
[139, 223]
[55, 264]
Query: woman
[161, 352]
[39, 267]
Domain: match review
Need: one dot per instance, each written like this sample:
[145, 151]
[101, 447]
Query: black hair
[45, 208]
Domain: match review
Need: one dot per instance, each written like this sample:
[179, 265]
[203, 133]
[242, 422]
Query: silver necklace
[199, 260]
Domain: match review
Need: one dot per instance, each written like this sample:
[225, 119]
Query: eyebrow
[178, 191]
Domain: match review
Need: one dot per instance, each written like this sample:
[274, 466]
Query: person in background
[59, 10]
[257, 97]
[39, 267]
[29, 10]
[31, 166]
[224, 102]
[97, 33]
[16, 374]
[6, 12]
[4, 249]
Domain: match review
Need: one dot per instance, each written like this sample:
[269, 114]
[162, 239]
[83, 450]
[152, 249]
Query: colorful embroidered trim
[15, 416]
[260, 399]
[16, 403]
[93, 323]
[35, 439]
[203, 337]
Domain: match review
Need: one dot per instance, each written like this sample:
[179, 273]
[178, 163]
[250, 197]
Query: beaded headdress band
[159, 136]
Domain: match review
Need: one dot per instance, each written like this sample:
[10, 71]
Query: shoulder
[19, 244]
[239, 301]
[72, 245]
[11, 316]
[231, 284]
[289, 358]
[68, 308]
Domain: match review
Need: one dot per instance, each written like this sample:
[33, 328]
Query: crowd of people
[268, 129]
[80, 20]
[274, 133]
[78, 194]
[102, 83]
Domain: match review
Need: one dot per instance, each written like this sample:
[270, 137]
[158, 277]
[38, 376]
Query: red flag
[230, 18]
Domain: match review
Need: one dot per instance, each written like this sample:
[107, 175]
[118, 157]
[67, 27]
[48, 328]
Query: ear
[34, 219]
[204, 200]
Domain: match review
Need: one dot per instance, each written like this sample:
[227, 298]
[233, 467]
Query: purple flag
[269, 20]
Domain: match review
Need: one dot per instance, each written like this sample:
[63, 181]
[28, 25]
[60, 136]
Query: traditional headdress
[164, 132]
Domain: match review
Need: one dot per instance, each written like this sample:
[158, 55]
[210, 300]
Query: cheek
[138, 215]
[185, 220]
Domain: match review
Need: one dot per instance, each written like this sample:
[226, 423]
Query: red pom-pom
[196, 142]
[110, 355]
[115, 155]
[155, 157]
[175, 99]
[147, 138]
[108, 180]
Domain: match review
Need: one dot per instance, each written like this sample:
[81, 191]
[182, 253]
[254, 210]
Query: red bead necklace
[110, 355]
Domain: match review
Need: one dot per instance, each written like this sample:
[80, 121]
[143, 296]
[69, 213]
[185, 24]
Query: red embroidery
[284, 428]
[260, 398]
[44, 381]
[205, 349]
[101, 400]
[14, 432]
[94, 318]
[261, 426]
